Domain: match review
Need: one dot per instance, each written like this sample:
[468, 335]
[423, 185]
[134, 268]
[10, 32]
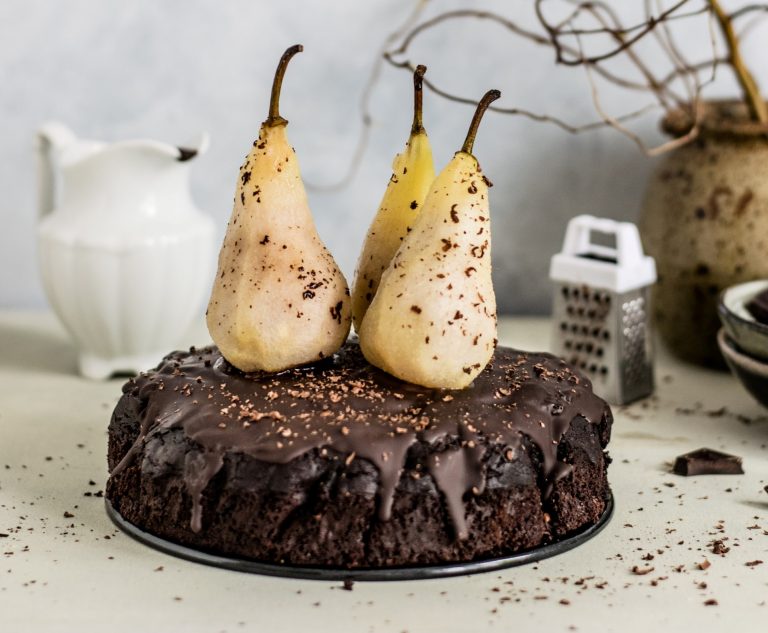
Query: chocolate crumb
[348, 584]
[642, 571]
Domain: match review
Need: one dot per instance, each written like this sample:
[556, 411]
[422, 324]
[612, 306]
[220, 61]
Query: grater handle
[578, 239]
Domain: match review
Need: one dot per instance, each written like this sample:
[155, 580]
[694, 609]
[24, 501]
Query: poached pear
[413, 172]
[279, 299]
[432, 321]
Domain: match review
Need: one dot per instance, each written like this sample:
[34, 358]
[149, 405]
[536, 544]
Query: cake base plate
[384, 573]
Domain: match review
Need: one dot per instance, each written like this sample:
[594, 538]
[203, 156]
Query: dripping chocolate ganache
[340, 464]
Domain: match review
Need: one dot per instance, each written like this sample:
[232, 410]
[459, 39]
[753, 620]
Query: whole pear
[433, 319]
[412, 174]
[279, 299]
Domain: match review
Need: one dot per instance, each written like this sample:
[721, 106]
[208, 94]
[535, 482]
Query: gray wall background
[114, 70]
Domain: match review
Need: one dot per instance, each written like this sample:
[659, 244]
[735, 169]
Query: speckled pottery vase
[705, 221]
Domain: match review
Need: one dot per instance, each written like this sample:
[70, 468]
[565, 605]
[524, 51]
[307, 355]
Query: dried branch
[616, 123]
[366, 119]
[507, 24]
[611, 25]
[666, 40]
[626, 43]
[625, 30]
[545, 118]
[754, 100]
[750, 8]
[555, 35]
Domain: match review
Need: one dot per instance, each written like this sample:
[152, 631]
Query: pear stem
[418, 91]
[274, 117]
[488, 98]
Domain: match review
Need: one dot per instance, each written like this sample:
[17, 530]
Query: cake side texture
[339, 464]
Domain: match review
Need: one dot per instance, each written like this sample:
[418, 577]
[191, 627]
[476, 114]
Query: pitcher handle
[50, 137]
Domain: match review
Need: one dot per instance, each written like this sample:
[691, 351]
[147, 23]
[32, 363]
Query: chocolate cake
[340, 464]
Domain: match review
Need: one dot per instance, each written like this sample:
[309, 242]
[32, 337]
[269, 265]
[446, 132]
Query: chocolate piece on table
[758, 307]
[706, 461]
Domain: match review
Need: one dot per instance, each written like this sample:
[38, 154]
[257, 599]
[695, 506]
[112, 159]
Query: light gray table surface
[78, 573]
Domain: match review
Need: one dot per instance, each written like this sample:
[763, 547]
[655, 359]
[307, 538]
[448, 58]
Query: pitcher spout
[177, 153]
[196, 148]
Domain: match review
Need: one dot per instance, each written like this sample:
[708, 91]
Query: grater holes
[584, 324]
[634, 330]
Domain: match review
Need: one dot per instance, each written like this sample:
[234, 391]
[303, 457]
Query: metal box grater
[601, 307]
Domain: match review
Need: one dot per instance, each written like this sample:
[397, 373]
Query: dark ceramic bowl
[741, 327]
[751, 372]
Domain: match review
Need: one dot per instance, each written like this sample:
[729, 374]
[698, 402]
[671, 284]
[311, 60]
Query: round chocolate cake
[339, 464]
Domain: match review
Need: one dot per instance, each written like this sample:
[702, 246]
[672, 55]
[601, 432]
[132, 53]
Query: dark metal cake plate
[389, 573]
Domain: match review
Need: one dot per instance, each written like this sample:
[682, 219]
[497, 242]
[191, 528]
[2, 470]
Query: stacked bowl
[743, 338]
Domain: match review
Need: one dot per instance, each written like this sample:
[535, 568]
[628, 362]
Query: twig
[616, 124]
[542, 118]
[507, 24]
[750, 8]
[366, 119]
[755, 103]
[594, 59]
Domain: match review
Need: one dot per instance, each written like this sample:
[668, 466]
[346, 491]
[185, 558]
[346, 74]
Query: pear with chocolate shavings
[279, 299]
[413, 172]
[433, 319]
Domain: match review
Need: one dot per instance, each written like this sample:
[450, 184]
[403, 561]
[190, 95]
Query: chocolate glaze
[345, 405]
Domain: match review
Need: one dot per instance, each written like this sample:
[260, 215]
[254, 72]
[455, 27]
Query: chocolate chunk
[641, 571]
[706, 461]
[348, 584]
[758, 307]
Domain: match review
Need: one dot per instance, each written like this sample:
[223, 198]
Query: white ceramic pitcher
[126, 257]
